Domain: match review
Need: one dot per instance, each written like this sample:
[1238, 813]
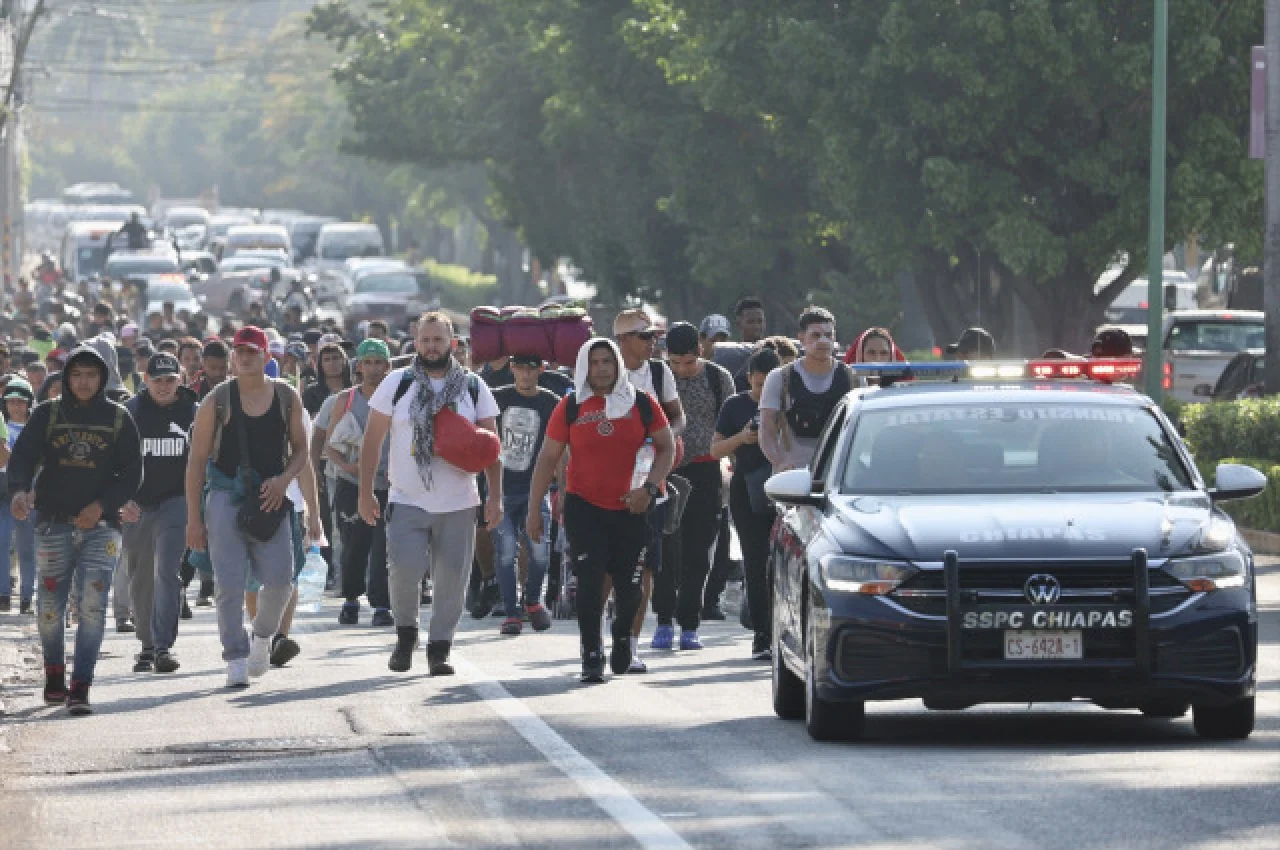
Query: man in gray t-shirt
[790, 421]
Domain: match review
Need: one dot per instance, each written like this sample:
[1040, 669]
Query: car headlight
[849, 574]
[1216, 535]
[1210, 572]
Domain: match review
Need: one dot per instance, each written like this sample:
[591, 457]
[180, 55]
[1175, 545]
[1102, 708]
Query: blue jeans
[66, 554]
[506, 543]
[26, 542]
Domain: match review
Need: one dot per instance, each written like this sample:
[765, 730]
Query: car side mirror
[1203, 390]
[1236, 481]
[793, 487]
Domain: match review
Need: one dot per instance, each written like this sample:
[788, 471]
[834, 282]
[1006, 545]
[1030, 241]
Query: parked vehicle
[84, 248]
[1198, 344]
[243, 279]
[390, 294]
[340, 241]
[303, 232]
[1244, 377]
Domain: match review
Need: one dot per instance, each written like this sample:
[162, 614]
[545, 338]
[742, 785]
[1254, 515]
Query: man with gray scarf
[431, 506]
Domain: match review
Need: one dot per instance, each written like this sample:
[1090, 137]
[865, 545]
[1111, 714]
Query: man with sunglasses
[637, 339]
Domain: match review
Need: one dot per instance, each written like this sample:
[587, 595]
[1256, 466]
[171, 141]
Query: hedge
[1247, 428]
[460, 288]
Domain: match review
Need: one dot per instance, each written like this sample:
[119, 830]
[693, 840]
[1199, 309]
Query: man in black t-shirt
[525, 409]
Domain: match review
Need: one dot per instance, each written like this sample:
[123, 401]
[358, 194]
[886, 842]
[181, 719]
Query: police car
[1022, 532]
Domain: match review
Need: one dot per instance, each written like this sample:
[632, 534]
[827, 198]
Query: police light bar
[1105, 370]
[988, 369]
[903, 368]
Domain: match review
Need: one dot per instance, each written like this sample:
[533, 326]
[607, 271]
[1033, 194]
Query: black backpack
[642, 401]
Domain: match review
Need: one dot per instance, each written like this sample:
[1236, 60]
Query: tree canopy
[694, 150]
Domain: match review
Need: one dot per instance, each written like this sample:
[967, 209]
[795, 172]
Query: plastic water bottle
[644, 464]
[311, 581]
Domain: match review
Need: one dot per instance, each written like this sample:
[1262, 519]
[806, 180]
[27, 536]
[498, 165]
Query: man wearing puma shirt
[87, 452]
[156, 519]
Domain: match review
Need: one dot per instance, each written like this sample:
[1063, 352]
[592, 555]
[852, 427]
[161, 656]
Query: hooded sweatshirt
[85, 453]
[166, 444]
[106, 347]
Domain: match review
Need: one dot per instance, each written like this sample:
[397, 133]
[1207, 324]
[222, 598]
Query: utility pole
[1271, 246]
[1154, 366]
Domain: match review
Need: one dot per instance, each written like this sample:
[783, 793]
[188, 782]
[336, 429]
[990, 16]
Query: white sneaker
[238, 673]
[637, 665]
[259, 655]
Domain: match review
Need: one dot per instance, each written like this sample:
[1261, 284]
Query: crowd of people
[145, 459]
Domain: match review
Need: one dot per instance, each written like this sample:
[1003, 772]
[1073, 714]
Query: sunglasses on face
[647, 336]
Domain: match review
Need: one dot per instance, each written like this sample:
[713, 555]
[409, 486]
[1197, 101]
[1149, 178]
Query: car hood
[923, 528]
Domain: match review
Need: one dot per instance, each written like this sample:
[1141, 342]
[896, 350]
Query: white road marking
[647, 828]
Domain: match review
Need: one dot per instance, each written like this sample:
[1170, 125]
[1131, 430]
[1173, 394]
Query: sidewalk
[19, 662]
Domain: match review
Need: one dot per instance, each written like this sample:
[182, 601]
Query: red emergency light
[1106, 370]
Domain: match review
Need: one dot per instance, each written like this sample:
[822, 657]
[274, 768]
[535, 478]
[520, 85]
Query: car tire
[788, 688]
[1231, 722]
[826, 720]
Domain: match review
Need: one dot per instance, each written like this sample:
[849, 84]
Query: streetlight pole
[1271, 235]
[1155, 239]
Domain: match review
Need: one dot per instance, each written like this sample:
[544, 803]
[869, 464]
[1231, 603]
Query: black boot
[406, 643]
[438, 657]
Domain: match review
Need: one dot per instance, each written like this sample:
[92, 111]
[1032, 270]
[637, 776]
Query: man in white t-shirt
[431, 506]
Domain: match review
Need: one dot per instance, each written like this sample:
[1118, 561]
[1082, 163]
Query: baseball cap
[632, 321]
[163, 363]
[276, 347]
[58, 354]
[526, 359]
[19, 388]
[373, 348]
[326, 339]
[252, 337]
[297, 350]
[312, 337]
[713, 325]
[130, 329]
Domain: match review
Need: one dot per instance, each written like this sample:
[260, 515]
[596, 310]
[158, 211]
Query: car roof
[1216, 315]
[930, 393]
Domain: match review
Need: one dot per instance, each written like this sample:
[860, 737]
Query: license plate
[1042, 645]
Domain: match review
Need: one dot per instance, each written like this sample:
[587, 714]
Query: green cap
[373, 348]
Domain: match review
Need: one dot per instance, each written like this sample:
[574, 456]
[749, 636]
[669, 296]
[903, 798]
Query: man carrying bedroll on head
[87, 451]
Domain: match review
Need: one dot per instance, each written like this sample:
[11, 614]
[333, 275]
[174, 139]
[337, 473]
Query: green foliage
[1244, 428]
[1261, 512]
[460, 288]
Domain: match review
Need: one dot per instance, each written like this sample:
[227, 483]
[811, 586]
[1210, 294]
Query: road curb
[1262, 542]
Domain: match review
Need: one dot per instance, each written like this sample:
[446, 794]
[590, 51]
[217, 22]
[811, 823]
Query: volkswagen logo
[1042, 589]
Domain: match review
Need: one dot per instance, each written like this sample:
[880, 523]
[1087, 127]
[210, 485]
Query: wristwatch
[652, 490]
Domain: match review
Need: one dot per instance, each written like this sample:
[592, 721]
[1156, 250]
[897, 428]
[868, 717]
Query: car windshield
[352, 245]
[241, 263]
[168, 292]
[90, 258]
[145, 265]
[1012, 448]
[388, 283]
[1215, 335]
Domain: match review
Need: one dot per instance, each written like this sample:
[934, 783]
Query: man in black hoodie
[156, 519]
[87, 452]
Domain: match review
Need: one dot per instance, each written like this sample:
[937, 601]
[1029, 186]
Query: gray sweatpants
[153, 549]
[234, 555]
[446, 541]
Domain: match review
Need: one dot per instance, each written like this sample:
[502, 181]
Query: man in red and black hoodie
[88, 454]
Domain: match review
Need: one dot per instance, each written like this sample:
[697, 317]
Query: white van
[1130, 306]
[84, 248]
[340, 241]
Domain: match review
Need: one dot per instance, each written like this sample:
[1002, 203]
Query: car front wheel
[788, 688]
[826, 720]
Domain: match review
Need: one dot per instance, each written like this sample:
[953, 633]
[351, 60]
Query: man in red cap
[250, 435]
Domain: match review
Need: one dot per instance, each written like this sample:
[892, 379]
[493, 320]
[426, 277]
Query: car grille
[925, 592]
[863, 657]
[1217, 655]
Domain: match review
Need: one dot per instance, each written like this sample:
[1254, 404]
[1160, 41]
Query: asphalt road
[337, 752]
